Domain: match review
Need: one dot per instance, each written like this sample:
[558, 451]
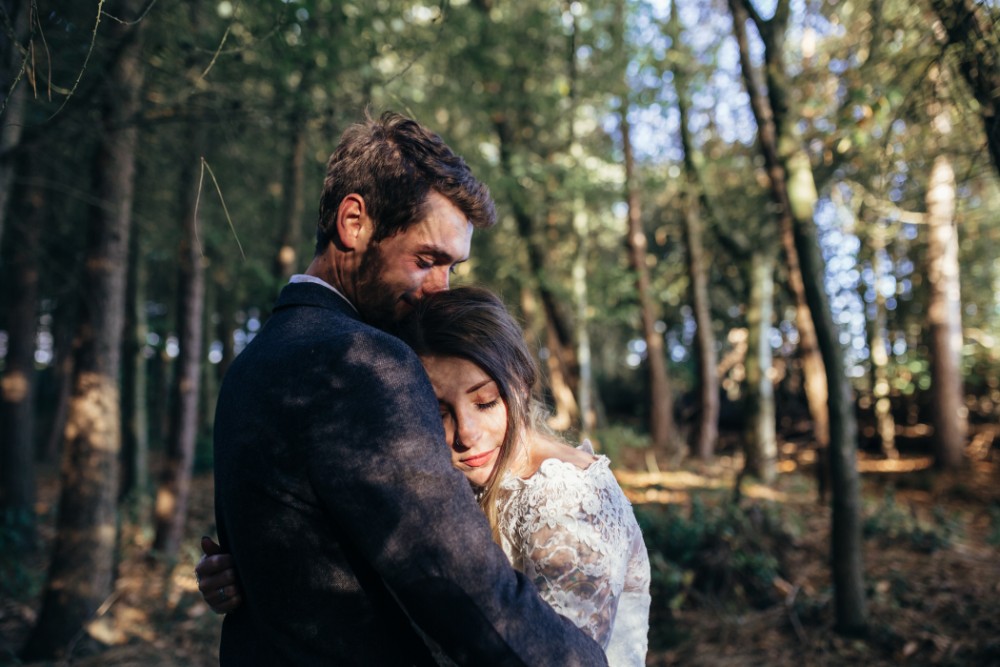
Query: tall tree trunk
[790, 194]
[581, 229]
[135, 414]
[18, 381]
[761, 441]
[13, 98]
[797, 198]
[286, 259]
[64, 323]
[585, 394]
[562, 362]
[707, 432]
[877, 344]
[661, 404]
[971, 27]
[175, 479]
[82, 570]
[944, 315]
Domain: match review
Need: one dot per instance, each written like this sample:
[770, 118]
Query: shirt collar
[305, 278]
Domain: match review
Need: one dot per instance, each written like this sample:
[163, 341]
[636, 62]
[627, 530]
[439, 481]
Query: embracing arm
[400, 508]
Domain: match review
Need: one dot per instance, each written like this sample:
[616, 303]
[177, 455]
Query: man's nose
[438, 280]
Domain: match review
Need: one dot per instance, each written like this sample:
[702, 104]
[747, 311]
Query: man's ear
[354, 227]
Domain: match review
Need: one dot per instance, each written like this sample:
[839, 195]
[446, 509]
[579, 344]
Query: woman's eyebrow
[479, 386]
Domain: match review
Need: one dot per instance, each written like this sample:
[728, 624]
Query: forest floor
[931, 554]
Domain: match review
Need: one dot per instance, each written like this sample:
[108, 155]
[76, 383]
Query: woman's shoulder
[556, 463]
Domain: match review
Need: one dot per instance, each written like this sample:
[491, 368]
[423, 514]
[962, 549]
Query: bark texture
[82, 571]
[790, 186]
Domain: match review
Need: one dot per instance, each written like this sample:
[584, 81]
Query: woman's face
[472, 412]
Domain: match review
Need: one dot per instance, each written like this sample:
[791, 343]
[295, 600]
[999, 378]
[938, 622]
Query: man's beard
[377, 303]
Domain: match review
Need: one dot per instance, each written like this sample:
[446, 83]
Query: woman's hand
[217, 578]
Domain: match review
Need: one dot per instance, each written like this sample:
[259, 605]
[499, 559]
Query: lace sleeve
[571, 537]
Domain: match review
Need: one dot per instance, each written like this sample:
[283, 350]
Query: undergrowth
[717, 554]
[893, 523]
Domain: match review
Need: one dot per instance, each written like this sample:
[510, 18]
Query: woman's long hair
[473, 324]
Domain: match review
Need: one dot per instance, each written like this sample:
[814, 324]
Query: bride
[557, 511]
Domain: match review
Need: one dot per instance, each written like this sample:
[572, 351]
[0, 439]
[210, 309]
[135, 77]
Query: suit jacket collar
[316, 296]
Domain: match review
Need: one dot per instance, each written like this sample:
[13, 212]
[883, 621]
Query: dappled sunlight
[901, 465]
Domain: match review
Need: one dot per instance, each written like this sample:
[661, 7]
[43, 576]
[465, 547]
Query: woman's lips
[478, 460]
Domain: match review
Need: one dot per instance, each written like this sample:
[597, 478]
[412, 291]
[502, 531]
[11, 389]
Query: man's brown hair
[394, 163]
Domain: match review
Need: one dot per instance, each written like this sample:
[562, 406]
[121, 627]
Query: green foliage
[891, 523]
[613, 440]
[723, 552]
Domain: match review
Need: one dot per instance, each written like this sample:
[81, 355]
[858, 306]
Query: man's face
[401, 269]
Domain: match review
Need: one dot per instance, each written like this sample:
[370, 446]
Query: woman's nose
[467, 433]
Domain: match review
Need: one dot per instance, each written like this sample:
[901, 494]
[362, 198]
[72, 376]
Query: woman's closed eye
[488, 405]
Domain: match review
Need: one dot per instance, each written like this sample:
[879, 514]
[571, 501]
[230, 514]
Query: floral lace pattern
[573, 532]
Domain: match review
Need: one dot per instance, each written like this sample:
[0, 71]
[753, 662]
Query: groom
[357, 542]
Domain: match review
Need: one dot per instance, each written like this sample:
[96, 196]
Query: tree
[761, 441]
[175, 478]
[18, 16]
[17, 382]
[794, 188]
[944, 314]
[707, 430]
[971, 28]
[82, 571]
[793, 193]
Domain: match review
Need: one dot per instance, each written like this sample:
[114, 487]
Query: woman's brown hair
[473, 324]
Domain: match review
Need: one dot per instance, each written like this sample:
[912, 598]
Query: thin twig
[86, 60]
[225, 210]
[32, 10]
[141, 16]
[222, 43]
[197, 201]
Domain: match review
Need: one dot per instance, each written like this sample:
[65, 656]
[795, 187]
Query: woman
[556, 511]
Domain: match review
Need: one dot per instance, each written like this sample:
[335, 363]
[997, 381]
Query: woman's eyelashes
[488, 405]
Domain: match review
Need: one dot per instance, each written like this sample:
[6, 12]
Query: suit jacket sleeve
[389, 486]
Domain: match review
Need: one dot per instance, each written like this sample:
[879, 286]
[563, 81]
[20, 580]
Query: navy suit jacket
[349, 527]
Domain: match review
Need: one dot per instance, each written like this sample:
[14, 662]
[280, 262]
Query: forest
[749, 242]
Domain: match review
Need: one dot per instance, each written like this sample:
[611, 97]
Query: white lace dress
[573, 532]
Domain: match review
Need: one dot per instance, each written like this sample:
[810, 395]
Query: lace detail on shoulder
[572, 531]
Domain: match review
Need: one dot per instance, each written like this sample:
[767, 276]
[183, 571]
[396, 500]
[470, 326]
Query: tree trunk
[661, 404]
[707, 432]
[971, 26]
[82, 570]
[175, 479]
[286, 260]
[761, 441]
[64, 323]
[18, 381]
[877, 344]
[135, 415]
[13, 98]
[585, 394]
[581, 229]
[561, 361]
[797, 198]
[944, 316]
[848, 570]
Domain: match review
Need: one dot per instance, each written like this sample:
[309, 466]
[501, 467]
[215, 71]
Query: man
[356, 541]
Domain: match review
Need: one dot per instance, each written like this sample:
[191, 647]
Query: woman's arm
[571, 532]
